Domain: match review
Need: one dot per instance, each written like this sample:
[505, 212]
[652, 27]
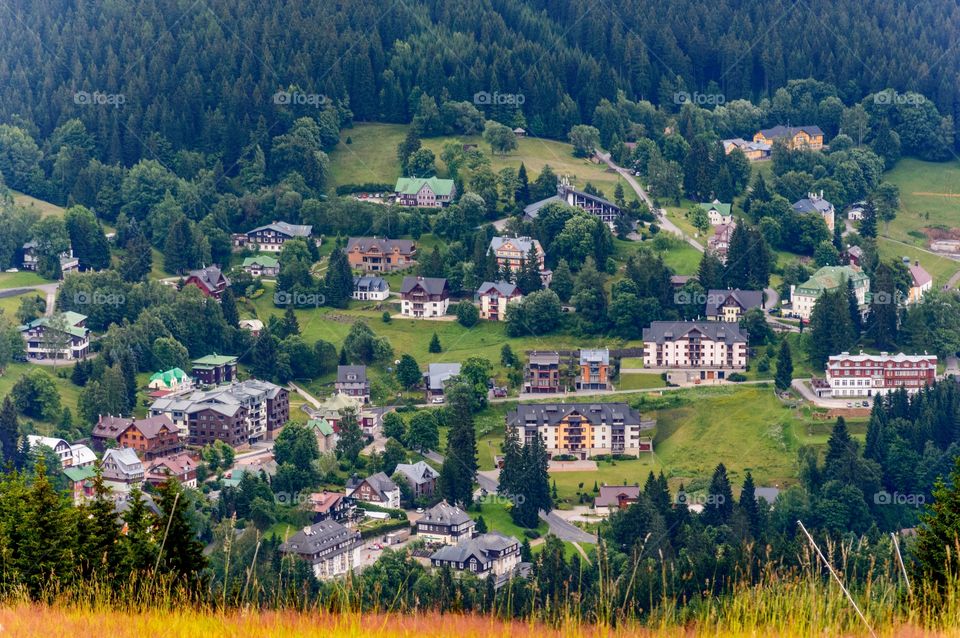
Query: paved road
[50, 290]
[566, 531]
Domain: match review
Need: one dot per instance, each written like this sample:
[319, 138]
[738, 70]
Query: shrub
[736, 377]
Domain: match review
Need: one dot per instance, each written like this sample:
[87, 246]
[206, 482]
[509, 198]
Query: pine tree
[856, 321]
[264, 356]
[102, 534]
[178, 251]
[884, 320]
[936, 550]
[868, 224]
[137, 260]
[338, 280]
[290, 324]
[749, 506]
[511, 474]
[784, 377]
[719, 507]
[710, 271]
[522, 194]
[228, 305]
[9, 435]
[350, 441]
[842, 462]
[48, 540]
[434, 346]
[460, 464]
[181, 554]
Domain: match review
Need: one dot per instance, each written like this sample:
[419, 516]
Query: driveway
[49, 290]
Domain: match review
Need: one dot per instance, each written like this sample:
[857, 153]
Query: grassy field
[21, 279]
[497, 517]
[9, 305]
[635, 381]
[46, 209]
[371, 157]
[929, 195]
[68, 392]
[940, 268]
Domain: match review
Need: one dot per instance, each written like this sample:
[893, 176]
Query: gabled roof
[789, 131]
[522, 244]
[481, 547]
[321, 539]
[78, 474]
[532, 210]
[432, 285]
[151, 427]
[71, 324]
[82, 455]
[418, 473]
[177, 464]
[610, 494]
[379, 483]
[366, 244]
[746, 299]
[210, 277]
[321, 425]
[351, 374]
[502, 288]
[445, 514]
[919, 275]
[664, 331]
[264, 261]
[169, 377]
[291, 230]
[830, 278]
[723, 209]
[439, 373]
[812, 205]
[553, 413]
[51, 442]
[413, 185]
[371, 284]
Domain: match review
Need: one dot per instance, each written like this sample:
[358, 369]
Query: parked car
[849, 404]
[436, 400]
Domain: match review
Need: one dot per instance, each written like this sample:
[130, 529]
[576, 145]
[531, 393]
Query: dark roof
[532, 210]
[789, 131]
[365, 244]
[445, 514]
[553, 413]
[379, 482]
[321, 538]
[432, 285]
[746, 299]
[438, 374]
[150, 427]
[419, 472]
[291, 230]
[663, 331]
[372, 284]
[812, 205]
[610, 494]
[351, 374]
[504, 288]
[209, 277]
[480, 547]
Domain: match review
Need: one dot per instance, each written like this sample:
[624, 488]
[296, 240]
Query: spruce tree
[868, 224]
[181, 553]
[938, 560]
[784, 377]
[522, 194]
[9, 435]
[460, 464]
[883, 324]
[434, 346]
[228, 305]
[562, 281]
[749, 506]
[511, 474]
[338, 280]
[350, 441]
[719, 506]
[178, 251]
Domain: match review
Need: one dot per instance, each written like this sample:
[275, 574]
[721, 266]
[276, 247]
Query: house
[181, 467]
[795, 137]
[122, 469]
[855, 211]
[494, 297]
[435, 380]
[82, 456]
[754, 151]
[920, 282]
[542, 374]
[326, 435]
[272, 237]
[81, 483]
[491, 553]
[512, 252]
[60, 447]
[215, 369]
[330, 548]
[854, 255]
[424, 297]
[60, 336]
[719, 243]
[421, 477]
[717, 212]
[445, 523]
[730, 305]
[370, 289]
[330, 506]
[613, 498]
[377, 489]
[581, 430]
[709, 346]
[68, 263]
[254, 326]
[170, 381]
[519, 132]
[210, 280]
[429, 192]
[829, 278]
[352, 381]
[815, 203]
[261, 266]
[334, 407]
[235, 414]
[373, 254]
[605, 210]
[869, 375]
[151, 437]
[679, 281]
[594, 370]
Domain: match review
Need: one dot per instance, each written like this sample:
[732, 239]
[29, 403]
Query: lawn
[46, 209]
[940, 268]
[9, 305]
[371, 157]
[497, 517]
[21, 279]
[929, 197]
[68, 392]
[635, 381]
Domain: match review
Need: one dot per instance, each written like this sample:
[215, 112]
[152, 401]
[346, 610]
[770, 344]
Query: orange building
[795, 137]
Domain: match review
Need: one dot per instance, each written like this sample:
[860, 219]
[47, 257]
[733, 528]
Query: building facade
[706, 345]
[430, 192]
[730, 305]
[261, 266]
[272, 237]
[330, 548]
[494, 297]
[370, 288]
[61, 336]
[445, 523]
[815, 204]
[542, 374]
[491, 553]
[353, 382]
[868, 375]
[581, 430]
[374, 254]
[377, 488]
[215, 369]
[829, 278]
[795, 137]
[594, 370]
[423, 297]
[512, 252]
[210, 280]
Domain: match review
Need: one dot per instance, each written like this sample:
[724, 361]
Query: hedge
[388, 526]
[369, 187]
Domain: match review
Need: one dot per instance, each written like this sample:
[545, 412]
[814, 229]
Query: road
[50, 290]
[664, 222]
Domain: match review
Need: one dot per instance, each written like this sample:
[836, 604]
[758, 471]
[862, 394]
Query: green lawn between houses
[929, 197]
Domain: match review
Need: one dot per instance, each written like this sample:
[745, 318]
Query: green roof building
[215, 369]
[828, 278]
[426, 192]
[172, 379]
[261, 265]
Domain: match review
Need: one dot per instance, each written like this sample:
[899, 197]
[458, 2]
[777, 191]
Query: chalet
[605, 210]
[373, 254]
[429, 192]
[829, 278]
[594, 370]
[494, 297]
[333, 409]
[151, 437]
[719, 242]
[542, 374]
[377, 489]
[435, 380]
[424, 297]
[253, 326]
[328, 547]
[717, 212]
[855, 211]
[709, 346]
[754, 151]
[854, 255]
[795, 137]
[272, 237]
[730, 305]
[519, 132]
[261, 266]
[581, 430]
[370, 289]
[122, 469]
[814, 203]
[81, 483]
[447, 524]
[421, 478]
[512, 252]
[353, 382]
[210, 280]
[215, 369]
[170, 381]
[330, 506]
[491, 553]
[613, 498]
[60, 447]
[31, 259]
[60, 336]
[325, 434]
[181, 467]
[82, 455]
[920, 282]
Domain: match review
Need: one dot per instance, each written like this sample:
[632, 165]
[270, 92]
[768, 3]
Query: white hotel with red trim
[869, 375]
